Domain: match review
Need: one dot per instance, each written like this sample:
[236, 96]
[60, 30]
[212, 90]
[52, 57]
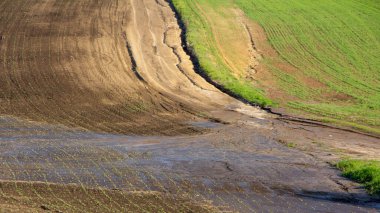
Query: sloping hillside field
[317, 57]
[141, 106]
[75, 63]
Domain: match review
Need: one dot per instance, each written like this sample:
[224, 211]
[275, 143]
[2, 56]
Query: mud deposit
[233, 167]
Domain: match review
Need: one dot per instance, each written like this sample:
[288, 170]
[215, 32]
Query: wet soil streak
[194, 59]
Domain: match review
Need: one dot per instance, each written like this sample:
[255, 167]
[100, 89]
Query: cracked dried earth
[101, 111]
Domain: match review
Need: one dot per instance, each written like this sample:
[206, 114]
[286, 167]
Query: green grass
[198, 38]
[291, 145]
[336, 43]
[366, 172]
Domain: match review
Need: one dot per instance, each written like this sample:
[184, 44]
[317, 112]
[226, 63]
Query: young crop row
[336, 43]
[332, 47]
[201, 42]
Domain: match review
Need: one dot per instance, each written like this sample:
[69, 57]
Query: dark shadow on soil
[357, 200]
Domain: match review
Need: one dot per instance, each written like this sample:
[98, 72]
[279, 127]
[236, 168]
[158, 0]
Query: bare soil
[100, 65]
[48, 197]
[101, 111]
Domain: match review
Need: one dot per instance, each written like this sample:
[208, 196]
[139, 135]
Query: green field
[366, 172]
[334, 43]
[200, 40]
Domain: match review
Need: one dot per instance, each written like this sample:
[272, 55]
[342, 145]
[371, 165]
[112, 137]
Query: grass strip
[363, 171]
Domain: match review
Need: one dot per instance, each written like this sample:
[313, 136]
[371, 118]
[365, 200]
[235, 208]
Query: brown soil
[49, 197]
[263, 74]
[81, 78]
[100, 65]
[242, 166]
